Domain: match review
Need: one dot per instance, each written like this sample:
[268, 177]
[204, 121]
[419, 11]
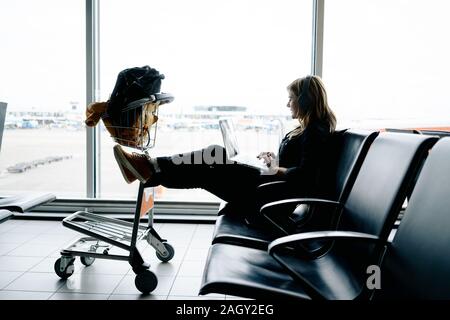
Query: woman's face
[293, 105]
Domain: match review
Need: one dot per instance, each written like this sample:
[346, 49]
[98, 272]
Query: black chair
[438, 133]
[371, 208]
[416, 264]
[431, 132]
[412, 131]
[351, 148]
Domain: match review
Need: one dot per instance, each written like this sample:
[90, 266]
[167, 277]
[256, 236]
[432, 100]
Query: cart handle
[162, 97]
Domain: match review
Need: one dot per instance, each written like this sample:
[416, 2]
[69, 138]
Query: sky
[396, 66]
[381, 58]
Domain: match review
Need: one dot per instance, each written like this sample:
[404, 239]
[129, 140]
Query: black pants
[209, 169]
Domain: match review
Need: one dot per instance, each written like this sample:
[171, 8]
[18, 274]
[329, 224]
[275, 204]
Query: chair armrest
[273, 191]
[272, 184]
[278, 212]
[288, 259]
[322, 235]
[291, 204]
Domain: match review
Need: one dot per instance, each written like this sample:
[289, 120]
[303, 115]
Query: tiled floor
[29, 249]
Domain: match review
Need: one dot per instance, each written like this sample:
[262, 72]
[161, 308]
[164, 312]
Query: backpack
[132, 84]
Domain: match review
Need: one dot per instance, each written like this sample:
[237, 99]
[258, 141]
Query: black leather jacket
[306, 158]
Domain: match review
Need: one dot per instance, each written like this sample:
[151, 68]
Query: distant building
[31, 117]
[220, 109]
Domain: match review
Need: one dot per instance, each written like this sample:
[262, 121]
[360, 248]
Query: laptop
[232, 148]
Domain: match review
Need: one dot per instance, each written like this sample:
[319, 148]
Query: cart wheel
[87, 261]
[170, 253]
[146, 281]
[67, 272]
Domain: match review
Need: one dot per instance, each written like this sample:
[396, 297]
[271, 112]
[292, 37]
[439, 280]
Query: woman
[301, 158]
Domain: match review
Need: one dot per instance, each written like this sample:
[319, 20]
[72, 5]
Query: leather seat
[242, 277]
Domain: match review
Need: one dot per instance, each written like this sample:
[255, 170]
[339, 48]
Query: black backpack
[132, 84]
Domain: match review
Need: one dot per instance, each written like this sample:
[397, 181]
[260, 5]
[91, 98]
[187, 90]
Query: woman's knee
[214, 154]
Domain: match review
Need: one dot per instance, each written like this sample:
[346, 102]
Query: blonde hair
[319, 109]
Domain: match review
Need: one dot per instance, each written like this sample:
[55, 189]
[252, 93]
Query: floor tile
[60, 229]
[7, 247]
[33, 250]
[30, 228]
[205, 227]
[178, 227]
[179, 233]
[24, 295]
[166, 268]
[205, 233]
[16, 237]
[58, 240]
[13, 222]
[200, 243]
[10, 263]
[31, 281]
[6, 277]
[185, 286]
[191, 268]
[78, 296]
[91, 283]
[40, 223]
[196, 254]
[7, 226]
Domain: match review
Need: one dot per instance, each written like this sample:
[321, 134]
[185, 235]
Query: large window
[386, 62]
[43, 81]
[384, 65]
[220, 58]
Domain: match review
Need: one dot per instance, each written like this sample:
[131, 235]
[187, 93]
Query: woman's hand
[268, 157]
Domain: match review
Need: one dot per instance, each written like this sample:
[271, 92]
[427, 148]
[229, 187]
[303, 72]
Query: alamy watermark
[216, 155]
[373, 282]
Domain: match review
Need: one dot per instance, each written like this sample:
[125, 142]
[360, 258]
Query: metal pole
[92, 94]
[317, 37]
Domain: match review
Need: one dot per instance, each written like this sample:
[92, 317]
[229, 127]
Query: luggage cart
[137, 129]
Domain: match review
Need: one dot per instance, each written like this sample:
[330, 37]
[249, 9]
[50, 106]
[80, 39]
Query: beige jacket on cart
[133, 135]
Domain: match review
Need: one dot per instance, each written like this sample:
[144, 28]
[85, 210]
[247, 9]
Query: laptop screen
[229, 137]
